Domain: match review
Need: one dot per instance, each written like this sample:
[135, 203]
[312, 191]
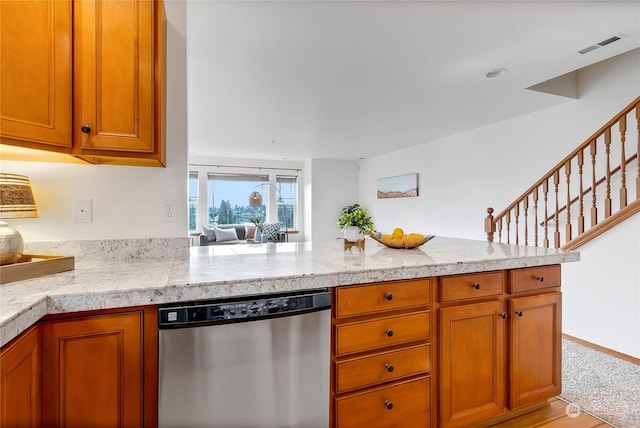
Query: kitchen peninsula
[445, 286]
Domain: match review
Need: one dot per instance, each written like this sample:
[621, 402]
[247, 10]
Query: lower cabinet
[382, 355]
[101, 370]
[20, 391]
[501, 352]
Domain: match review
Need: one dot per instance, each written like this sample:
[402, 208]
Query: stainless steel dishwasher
[260, 361]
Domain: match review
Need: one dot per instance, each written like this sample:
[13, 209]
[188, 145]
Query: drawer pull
[86, 129]
[503, 315]
[519, 313]
[388, 332]
[389, 368]
[476, 286]
[388, 296]
[388, 404]
[540, 278]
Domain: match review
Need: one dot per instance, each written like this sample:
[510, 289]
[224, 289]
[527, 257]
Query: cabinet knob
[388, 332]
[540, 278]
[388, 404]
[388, 296]
[389, 368]
[503, 315]
[85, 129]
[476, 286]
[519, 313]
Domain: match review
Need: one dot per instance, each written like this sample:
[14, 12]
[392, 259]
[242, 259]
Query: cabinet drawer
[404, 405]
[473, 286]
[382, 297]
[362, 336]
[534, 278]
[382, 367]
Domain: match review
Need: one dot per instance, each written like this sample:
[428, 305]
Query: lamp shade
[255, 199]
[16, 197]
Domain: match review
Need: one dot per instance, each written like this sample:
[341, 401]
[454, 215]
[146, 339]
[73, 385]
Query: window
[286, 200]
[193, 200]
[228, 197]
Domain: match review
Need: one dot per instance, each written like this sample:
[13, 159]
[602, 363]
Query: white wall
[462, 175]
[334, 185]
[127, 201]
[602, 304]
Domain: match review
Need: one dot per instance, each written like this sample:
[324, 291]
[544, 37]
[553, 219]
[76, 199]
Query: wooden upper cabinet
[20, 386]
[35, 74]
[110, 53]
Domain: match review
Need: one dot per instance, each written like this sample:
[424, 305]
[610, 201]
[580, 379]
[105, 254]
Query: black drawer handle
[388, 296]
[388, 404]
[476, 286]
[85, 129]
[540, 278]
[503, 315]
[519, 313]
[388, 332]
[389, 368]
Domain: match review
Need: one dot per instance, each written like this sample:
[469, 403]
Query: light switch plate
[82, 210]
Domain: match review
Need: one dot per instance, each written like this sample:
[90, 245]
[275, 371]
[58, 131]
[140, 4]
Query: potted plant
[258, 220]
[355, 222]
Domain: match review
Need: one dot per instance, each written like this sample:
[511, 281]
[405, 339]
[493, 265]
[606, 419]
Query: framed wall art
[400, 186]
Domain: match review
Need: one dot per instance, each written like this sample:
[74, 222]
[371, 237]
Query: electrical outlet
[169, 212]
[82, 210]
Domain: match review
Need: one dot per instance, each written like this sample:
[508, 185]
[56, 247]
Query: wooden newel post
[489, 225]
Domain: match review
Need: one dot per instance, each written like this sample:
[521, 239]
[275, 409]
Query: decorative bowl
[378, 237]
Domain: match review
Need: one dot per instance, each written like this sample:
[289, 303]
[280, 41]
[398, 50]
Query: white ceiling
[354, 79]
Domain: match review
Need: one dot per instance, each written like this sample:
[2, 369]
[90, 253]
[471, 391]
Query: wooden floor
[554, 416]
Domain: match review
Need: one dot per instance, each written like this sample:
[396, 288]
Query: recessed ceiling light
[496, 72]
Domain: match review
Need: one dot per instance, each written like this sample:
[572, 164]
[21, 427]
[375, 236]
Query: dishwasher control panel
[241, 309]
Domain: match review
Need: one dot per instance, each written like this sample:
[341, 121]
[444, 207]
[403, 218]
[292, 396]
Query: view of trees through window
[227, 199]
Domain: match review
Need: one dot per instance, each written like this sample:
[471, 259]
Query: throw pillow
[208, 233]
[226, 234]
[271, 231]
[250, 231]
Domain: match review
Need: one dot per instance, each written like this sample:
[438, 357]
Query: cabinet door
[20, 379]
[472, 363]
[114, 75]
[35, 73]
[535, 349]
[94, 371]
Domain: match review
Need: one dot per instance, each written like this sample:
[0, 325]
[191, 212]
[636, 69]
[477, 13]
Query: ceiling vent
[599, 44]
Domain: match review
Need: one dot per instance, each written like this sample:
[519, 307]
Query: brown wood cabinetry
[381, 358]
[498, 352]
[101, 370]
[110, 55]
[20, 389]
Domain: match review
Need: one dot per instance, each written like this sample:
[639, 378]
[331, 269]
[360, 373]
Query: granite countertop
[224, 271]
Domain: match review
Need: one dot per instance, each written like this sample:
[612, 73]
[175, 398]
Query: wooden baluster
[581, 195]
[500, 230]
[516, 210]
[525, 206]
[623, 165]
[489, 225]
[567, 173]
[638, 153]
[508, 221]
[535, 213]
[556, 185]
[545, 190]
[607, 197]
[594, 208]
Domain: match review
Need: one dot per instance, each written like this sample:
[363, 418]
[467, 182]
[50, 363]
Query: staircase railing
[560, 195]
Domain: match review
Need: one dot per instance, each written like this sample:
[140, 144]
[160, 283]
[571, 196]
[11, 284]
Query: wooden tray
[33, 266]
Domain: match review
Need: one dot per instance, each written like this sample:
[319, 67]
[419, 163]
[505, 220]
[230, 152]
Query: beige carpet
[602, 385]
